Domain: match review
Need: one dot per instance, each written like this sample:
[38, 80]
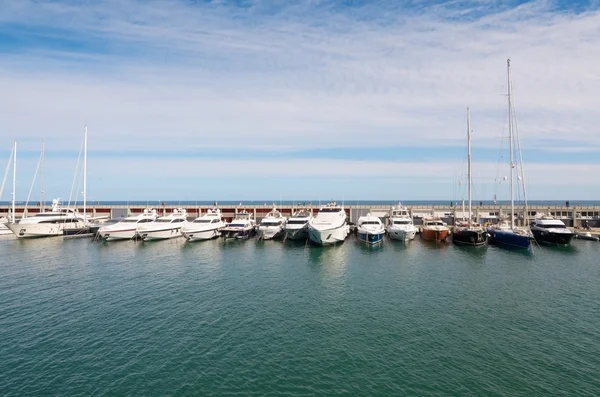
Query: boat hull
[401, 234]
[35, 230]
[552, 238]
[164, 234]
[370, 238]
[585, 237]
[117, 234]
[269, 233]
[328, 236]
[238, 233]
[297, 234]
[508, 238]
[470, 237]
[198, 235]
[435, 234]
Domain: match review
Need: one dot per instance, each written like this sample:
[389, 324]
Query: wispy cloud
[164, 75]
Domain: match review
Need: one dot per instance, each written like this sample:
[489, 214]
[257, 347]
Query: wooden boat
[434, 229]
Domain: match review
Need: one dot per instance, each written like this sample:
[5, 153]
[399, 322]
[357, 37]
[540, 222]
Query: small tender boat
[434, 229]
[127, 228]
[165, 227]
[401, 226]
[586, 236]
[243, 226]
[204, 227]
[296, 227]
[329, 226]
[369, 229]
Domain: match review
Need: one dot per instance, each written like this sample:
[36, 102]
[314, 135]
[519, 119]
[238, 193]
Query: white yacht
[329, 226]
[51, 223]
[204, 227]
[401, 226]
[369, 229]
[242, 226]
[296, 227]
[127, 228]
[164, 227]
[272, 225]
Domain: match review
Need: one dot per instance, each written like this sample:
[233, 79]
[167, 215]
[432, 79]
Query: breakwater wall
[572, 216]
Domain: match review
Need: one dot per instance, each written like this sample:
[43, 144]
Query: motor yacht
[127, 228]
[272, 225]
[370, 229]
[329, 226]
[50, 223]
[434, 229]
[204, 227]
[547, 229]
[243, 226]
[296, 227]
[401, 226]
[164, 227]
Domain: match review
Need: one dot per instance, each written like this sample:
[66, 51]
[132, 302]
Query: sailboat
[58, 221]
[468, 232]
[506, 233]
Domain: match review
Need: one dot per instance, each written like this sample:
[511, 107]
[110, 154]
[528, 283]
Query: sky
[299, 100]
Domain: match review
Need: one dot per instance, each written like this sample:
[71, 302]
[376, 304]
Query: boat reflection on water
[332, 259]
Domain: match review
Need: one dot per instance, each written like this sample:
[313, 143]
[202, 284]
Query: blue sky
[300, 100]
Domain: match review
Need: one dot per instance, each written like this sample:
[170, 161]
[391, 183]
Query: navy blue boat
[508, 238]
[370, 229]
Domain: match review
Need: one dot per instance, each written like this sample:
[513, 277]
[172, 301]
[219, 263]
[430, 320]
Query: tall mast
[84, 173]
[42, 177]
[14, 192]
[510, 139]
[469, 160]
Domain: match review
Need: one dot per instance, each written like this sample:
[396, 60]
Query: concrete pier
[571, 216]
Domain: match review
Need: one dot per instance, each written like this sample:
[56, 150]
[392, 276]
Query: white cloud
[171, 75]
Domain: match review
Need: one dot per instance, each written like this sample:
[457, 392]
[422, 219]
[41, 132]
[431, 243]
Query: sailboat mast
[469, 160]
[42, 177]
[510, 139]
[14, 187]
[84, 173]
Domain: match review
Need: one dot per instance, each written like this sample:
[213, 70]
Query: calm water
[258, 318]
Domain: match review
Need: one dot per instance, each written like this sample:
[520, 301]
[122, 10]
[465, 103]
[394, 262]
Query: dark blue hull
[508, 239]
[371, 238]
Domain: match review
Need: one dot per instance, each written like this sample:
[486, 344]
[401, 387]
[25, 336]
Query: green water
[271, 318]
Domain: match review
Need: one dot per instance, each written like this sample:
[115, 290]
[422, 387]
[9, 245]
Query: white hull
[268, 233]
[328, 236]
[401, 234]
[297, 234]
[197, 235]
[33, 230]
[117, 234]
[163, 234]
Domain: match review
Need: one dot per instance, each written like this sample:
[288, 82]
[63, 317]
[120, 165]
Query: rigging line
[34, 178]
[75, 175]
[10, 159]
[521, 170]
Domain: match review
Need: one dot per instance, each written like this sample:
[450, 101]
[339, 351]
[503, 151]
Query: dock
[575, 216]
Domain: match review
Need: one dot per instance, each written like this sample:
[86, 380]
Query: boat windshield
[164, 220]
[370, 223]
[129, 220]
[202, 221]
[556, 226]
[238, 225]
[271, 223]
[296, 222]
[401, 222]
[330, 210]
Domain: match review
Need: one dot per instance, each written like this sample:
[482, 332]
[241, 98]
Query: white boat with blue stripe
[370, 229]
